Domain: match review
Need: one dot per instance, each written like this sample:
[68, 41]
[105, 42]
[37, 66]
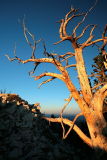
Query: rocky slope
[25, 135]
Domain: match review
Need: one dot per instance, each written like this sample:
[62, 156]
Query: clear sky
[41, 17]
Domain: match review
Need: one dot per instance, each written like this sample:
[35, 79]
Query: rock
[25, 135]
[15, 153]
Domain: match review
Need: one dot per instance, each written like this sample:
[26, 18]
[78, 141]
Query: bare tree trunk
[95, 120]
[98, 130]
[93, 114]
[82, 75]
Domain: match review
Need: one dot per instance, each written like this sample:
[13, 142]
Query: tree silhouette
[90, 98]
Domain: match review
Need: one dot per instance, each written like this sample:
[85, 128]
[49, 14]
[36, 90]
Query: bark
[86, 139]
[82, 75]
[98, 130]
[95, 120]
[93, 111]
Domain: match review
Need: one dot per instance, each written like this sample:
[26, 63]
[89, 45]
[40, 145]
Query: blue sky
[41, 17]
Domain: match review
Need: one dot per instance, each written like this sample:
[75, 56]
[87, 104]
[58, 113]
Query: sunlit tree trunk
[97, 128]
[94, 111]
[82, 75]
[92, 108]
[96, 122]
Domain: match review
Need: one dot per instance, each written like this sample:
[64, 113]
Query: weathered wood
[82, 75]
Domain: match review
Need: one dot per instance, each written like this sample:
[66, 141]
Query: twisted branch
[68, 101]
[86, 14]
[48, 80]
[71, 65]
[71, 127]
[33, 46]
[55, 75]
[86, 139]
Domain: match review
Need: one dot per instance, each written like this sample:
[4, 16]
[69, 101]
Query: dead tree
[88, 98]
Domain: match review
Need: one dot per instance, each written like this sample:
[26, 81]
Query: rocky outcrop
[14, 99]
[25, 135]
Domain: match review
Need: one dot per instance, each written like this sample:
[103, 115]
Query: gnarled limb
[73, 38]
[66, 59]
[89, 38]
[73, 122]
[64, 107]
[64, 76]
[86, 139]
[48, 80]
[71, 65]
[66, 54]
[83, 31]
[67, 21]
[95, 41]
[74, 31]
[59, 76]
[33, 46]
[63, 39]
